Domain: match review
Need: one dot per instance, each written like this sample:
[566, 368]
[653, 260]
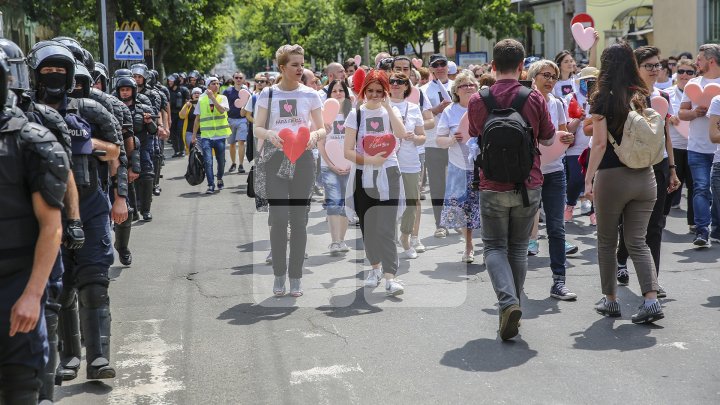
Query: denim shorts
[335, 186]
[239, 127]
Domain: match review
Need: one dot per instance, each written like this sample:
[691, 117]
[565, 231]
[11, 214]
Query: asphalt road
[194, 321]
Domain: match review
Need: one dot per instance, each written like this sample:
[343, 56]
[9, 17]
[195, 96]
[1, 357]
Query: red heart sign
[294, 143]
[372, 145]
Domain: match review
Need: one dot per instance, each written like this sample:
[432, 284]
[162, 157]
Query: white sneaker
[344, 247]
[373, 278]
[585, 207]
[393, 287]
[411, 253]
[416, 244]
[468, 257]
[334, 248]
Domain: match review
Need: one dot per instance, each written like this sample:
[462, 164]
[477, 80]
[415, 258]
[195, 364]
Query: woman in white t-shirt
[287, 106]
[375, 126]
[461, 205]
[567, 82]
[334, 175]
[409, 161]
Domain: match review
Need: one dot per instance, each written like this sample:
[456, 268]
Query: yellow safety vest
[212, 123]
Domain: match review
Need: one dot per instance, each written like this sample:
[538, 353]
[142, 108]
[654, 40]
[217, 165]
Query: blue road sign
[129, 45]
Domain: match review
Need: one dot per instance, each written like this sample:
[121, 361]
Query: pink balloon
[464, 128]
[659, 104]
[683, 128]
[549, 154]
[243, 97]
[357, 60]
[702, 96]
[336, 154]
[414, 96]
[417, 63]
[330, 110]
[585, 37]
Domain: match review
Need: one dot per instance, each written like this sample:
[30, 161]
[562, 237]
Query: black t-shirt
[615, 128]
[178, 97]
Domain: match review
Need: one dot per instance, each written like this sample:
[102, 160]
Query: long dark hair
[347, 103]
[619, 85]
[558, 61]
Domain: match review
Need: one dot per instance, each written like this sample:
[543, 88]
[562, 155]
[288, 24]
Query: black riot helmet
[82, 79]
[88, 60]
[121, 73]
[4, 75]
[55, 54]
[142, 70]
[154, 76]
[74, 46]
[101, 75]
[125, 81]
[19, 76]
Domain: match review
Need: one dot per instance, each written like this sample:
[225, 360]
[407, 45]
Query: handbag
[253, 188]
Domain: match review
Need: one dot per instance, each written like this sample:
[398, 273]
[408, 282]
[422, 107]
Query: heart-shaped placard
[372, 145]
[464, 128]
[357, 59]
[336, 154]
[417, 63]
[330, 110]
[243, 97]
[294, 143]
[659, 104]
[549, 154]
[414, 96]
[702, 96]
[357, 80]
[585, 37]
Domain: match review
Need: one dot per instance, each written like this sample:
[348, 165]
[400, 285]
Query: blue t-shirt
[232, 94]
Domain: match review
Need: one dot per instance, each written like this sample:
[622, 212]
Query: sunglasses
[466, 86]
[688, 72]
[548, 76]
[440, 63]
[650, 67]
[398, 82]
[239, 78]
[260, 81]
[478, 76]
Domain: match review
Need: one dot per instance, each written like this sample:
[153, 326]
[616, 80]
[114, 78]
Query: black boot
[69, 334]
[48, 376]
[146, 195]
[96, 331]
[122, 239]
[21, 385]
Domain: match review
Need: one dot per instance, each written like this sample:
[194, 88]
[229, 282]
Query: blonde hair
[282, 55]
[465, 76]
[537, 67]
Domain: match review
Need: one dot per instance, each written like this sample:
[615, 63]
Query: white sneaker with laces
[344, 247]
[334, 248]
[585, 207]
[411, 253]
[417, 245]
[373, 278]
[393, 287]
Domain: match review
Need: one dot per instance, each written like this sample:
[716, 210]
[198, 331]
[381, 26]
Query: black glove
[73, 235]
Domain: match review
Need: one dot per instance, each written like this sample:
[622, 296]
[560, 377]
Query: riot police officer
[33, 176]
[86, 269]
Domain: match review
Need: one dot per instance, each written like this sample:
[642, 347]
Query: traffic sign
[583, 19]
[129, 45]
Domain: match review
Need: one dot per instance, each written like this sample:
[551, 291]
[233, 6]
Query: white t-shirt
[715, 110]
[337, 132]
[408, 157]
[565, 87]
[290, 109]
[372, 123]
[582, 141]
[676, 95]
[664, 85]
[425, 106]
[558, 117]
[699, 139]
[434, 95]
[447, 126]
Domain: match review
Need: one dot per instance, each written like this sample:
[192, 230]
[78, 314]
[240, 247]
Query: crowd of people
[499, 148]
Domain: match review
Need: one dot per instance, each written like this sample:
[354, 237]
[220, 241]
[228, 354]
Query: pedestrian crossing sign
[129, 45]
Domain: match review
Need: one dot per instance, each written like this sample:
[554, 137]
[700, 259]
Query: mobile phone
[590, 87]
[526, 83]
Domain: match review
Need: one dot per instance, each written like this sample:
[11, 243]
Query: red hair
[375, 76]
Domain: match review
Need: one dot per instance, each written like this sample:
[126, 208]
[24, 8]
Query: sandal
[441, 233]
[279, 286]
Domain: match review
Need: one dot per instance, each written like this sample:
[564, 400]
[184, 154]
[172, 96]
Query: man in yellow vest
[212, 120]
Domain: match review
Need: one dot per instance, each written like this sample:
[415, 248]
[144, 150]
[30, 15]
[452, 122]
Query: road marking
[143, 360]
[677, 345]
[316, 374]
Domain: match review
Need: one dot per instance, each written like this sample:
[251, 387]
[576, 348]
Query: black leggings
[436, 162]
[378, 219]
[683, 172]
[289, 201]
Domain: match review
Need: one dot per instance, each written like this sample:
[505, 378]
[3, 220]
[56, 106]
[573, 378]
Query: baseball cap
[436, 57]
[197, 90]
[452, 68]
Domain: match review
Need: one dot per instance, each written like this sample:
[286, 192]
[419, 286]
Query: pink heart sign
[336, 154]
[330, 110]
[357, 59]
[549, 154]
[374, 125]
[294, 143]
[372, 145]
[417, 63]
[702, 96]
[243, 97]
[659, 104]
[464, 128]
[585, 37]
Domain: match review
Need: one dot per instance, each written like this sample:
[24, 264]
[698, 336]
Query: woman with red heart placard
[286, 167]
[371, 133]
[334, 168]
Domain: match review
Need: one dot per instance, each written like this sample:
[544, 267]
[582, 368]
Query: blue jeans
[700, 166]
[218, 145]
[506, 233]
[716, 201]
[335, 186]
[553, 198]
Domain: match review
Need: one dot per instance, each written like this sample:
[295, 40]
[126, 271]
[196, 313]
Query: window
[713, 22]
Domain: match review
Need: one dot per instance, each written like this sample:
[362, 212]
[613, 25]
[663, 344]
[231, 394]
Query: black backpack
[195, 173]
[507, 145]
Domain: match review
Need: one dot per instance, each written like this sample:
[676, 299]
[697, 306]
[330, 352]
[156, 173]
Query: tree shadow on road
[98, 388]
[250, 314]
[489, 355]
[713, 302]
[697, 255]
[532, 309]
[338, 307]
[454, 271]
[602, 335]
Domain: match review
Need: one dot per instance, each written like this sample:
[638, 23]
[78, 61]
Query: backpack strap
[488, 99]
[519, 101]
[422, 99]
[267, 120]
[357, 120]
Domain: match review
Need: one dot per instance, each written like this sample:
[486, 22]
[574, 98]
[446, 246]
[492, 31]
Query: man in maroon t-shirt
[506, 221]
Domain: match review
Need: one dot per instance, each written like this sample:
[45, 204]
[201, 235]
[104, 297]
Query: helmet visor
[19, 77]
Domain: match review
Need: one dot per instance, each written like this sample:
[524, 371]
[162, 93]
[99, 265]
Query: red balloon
[294, 143]
[574, 110]
[372, 145]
